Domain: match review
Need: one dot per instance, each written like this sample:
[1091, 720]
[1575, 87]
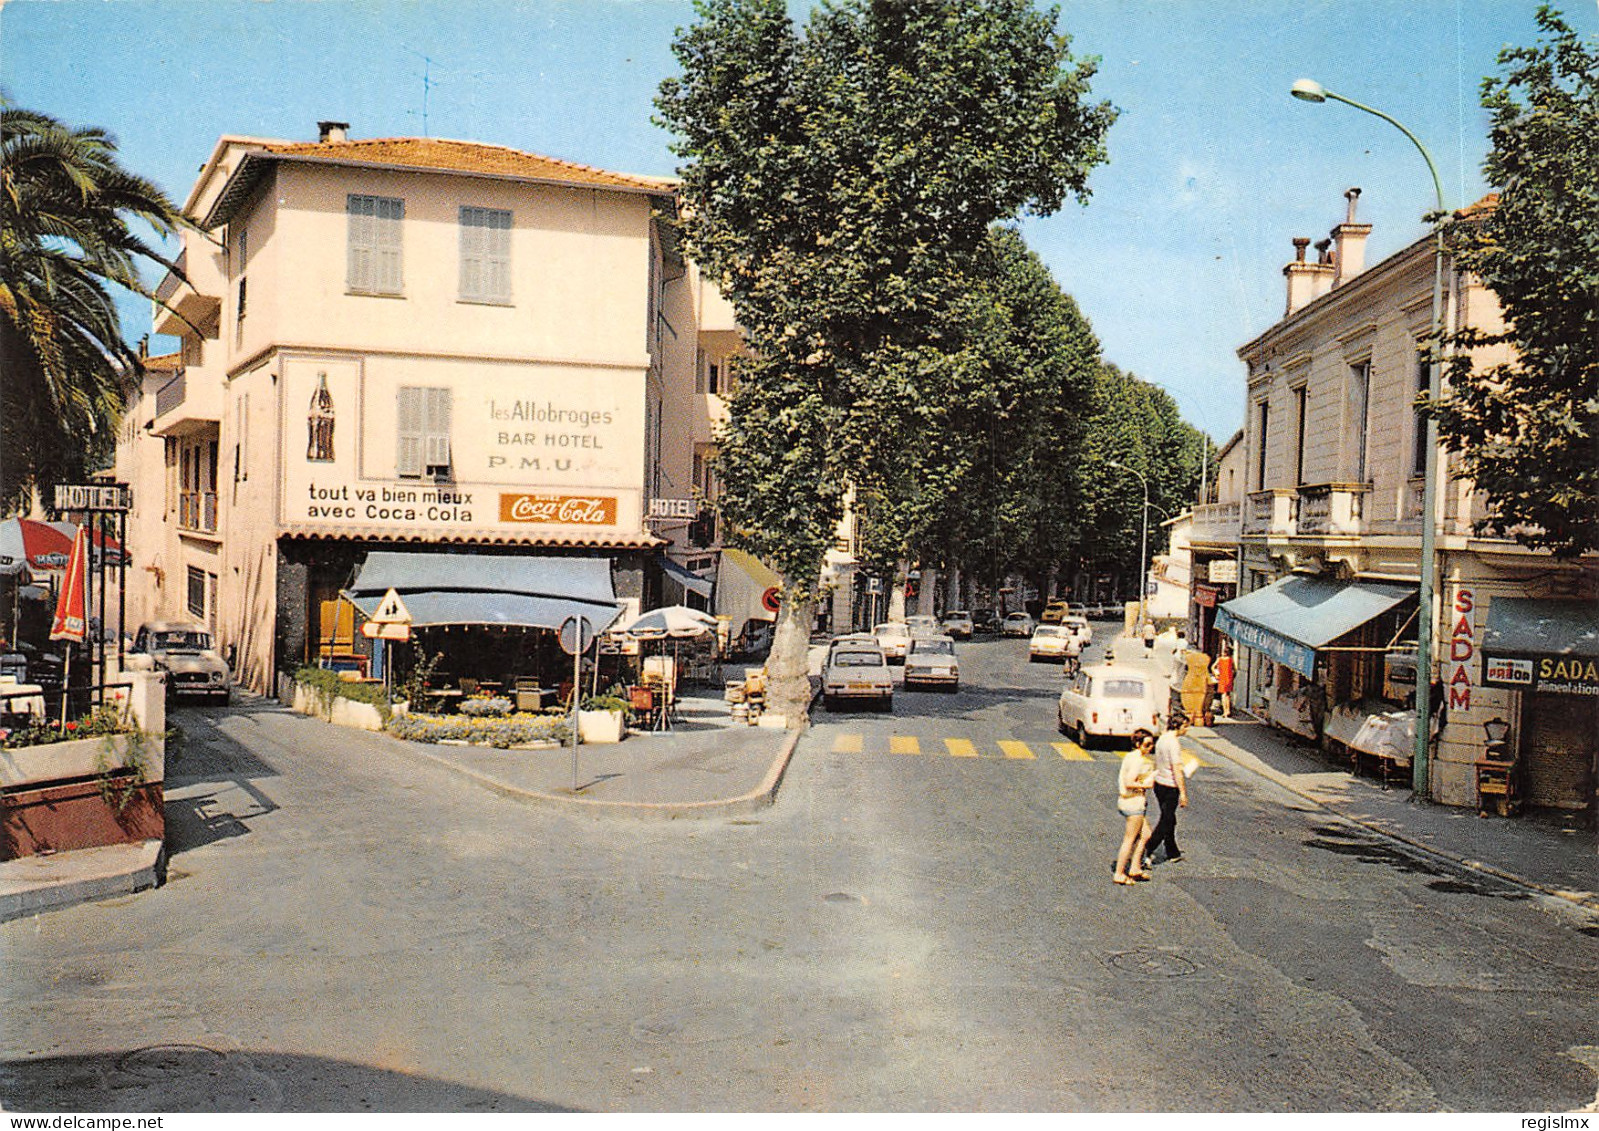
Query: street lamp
[1143, 545]
[1309, 90]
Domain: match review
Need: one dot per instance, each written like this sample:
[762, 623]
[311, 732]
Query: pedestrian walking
[1149, 636]
[1171, 786]
[1224, 671]
[1073, 659]
[1132, 788]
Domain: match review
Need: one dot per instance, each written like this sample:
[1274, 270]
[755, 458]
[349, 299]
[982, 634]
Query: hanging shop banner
[1278, 649]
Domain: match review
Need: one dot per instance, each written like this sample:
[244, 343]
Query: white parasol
[676, 621]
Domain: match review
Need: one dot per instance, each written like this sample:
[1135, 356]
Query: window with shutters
[374, 247]
[485, 255]
[422, 447]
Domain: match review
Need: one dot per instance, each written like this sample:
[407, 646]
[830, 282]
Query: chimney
[1306, 281]
[332, 131]
[1349, 243]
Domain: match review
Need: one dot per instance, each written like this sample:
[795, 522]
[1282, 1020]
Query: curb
[1587, 900]
[759, 798]
[48, 893]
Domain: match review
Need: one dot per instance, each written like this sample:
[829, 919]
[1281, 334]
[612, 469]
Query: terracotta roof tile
[464, 157]
[163, 363]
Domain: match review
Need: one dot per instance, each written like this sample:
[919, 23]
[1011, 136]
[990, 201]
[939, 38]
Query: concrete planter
[55, 798]
[601, 727]
[340, 711]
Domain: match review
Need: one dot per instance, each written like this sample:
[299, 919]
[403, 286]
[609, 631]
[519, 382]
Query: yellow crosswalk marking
[1072, 752]
[961, 747]
[847, 744]
[1014, 749]
[904, 744]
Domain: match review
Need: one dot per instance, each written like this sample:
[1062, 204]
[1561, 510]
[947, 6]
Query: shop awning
[515, 590]
[1290, 619]
[687, 578]
[744, 586]
[1539, 644]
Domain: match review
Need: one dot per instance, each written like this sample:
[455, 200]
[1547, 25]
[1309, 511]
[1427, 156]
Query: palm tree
[65, 243]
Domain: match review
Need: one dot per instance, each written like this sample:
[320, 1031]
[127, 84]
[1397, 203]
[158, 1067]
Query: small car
[1110, 701]
[1018, 624]
[985, 620]
[857, 669]
[1055, 611]
[187, 653]
[894, 637]
[922, 625]
[1049, 642]
[1079, 627]
[958, 623]
[931, 663]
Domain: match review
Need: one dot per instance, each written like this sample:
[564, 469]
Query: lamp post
[1310, 91]
[1143, 545]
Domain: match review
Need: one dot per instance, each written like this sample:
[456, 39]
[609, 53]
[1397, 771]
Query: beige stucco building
[414, 345]
[1330, 539]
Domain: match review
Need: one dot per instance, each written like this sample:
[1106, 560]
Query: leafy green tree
[837, 185]
[65, 242]
[1527, 429]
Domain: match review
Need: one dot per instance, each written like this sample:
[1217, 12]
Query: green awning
[1542, 644]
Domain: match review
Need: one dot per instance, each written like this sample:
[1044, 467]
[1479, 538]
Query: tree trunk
[896, 593]
[952, 589]
[788, 672]
[927, 592]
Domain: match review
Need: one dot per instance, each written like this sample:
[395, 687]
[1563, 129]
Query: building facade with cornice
[1330, 539]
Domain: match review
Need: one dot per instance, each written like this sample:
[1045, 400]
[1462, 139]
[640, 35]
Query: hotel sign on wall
[535, 450]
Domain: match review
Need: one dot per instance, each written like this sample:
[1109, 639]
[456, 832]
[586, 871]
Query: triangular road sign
[391, 610]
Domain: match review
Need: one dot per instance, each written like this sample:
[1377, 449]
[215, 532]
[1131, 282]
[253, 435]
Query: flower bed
[523, 729]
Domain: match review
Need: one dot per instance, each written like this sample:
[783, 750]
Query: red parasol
[71, 617]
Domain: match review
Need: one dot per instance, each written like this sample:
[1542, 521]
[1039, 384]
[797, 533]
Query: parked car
[922, 625]
[857, 669]
[985, 620]
[186, 652]
[1049, 642]
[1079, 627]
[1018, 624]
[958, 623]
[1055, 611]
[931, 663]
[1110, 700]
[894, 637]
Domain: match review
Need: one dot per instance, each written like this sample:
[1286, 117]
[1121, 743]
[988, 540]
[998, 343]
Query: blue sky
[1176, 259]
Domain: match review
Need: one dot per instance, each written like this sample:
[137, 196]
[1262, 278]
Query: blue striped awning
[1291, 619]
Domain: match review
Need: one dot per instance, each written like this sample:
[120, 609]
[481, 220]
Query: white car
[1049, 642]
[856, 669]
[958, 623]
[1080, 628]
[931, 663]
[1110, 701]
[1018, 624]
[186, 652]
[894, 637]
[923, 626]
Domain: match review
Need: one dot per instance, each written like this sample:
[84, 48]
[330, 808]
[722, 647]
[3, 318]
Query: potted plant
[602, 718]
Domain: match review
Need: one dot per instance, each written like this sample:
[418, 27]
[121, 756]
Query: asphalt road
[924, 921]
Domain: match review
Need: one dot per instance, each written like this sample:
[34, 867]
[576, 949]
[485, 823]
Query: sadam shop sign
[1560, 675]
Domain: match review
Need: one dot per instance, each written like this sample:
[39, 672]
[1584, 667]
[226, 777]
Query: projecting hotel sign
[93, 497]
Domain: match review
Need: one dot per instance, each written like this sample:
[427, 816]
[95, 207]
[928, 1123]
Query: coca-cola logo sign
[559, 510]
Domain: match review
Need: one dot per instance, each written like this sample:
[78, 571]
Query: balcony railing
[172, 394]
[1274, 511]
[1218, 522]
[197, 510]
[1331, 508]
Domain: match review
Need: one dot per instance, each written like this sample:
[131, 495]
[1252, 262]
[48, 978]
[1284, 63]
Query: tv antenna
[427, 86]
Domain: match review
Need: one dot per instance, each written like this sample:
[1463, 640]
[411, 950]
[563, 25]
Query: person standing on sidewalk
[1171, 786]
[1149, 636]
[1133, 782]
[1223, 672]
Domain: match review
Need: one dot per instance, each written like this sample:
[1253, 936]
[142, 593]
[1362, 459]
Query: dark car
[985, 620]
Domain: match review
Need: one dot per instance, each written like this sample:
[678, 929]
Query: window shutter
[471, 253]
[498, 257]
[437, 428]
[391, 214]
[408, 432]
[359, 243]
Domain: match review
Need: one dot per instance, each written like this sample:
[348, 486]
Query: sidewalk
[1531, 850]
